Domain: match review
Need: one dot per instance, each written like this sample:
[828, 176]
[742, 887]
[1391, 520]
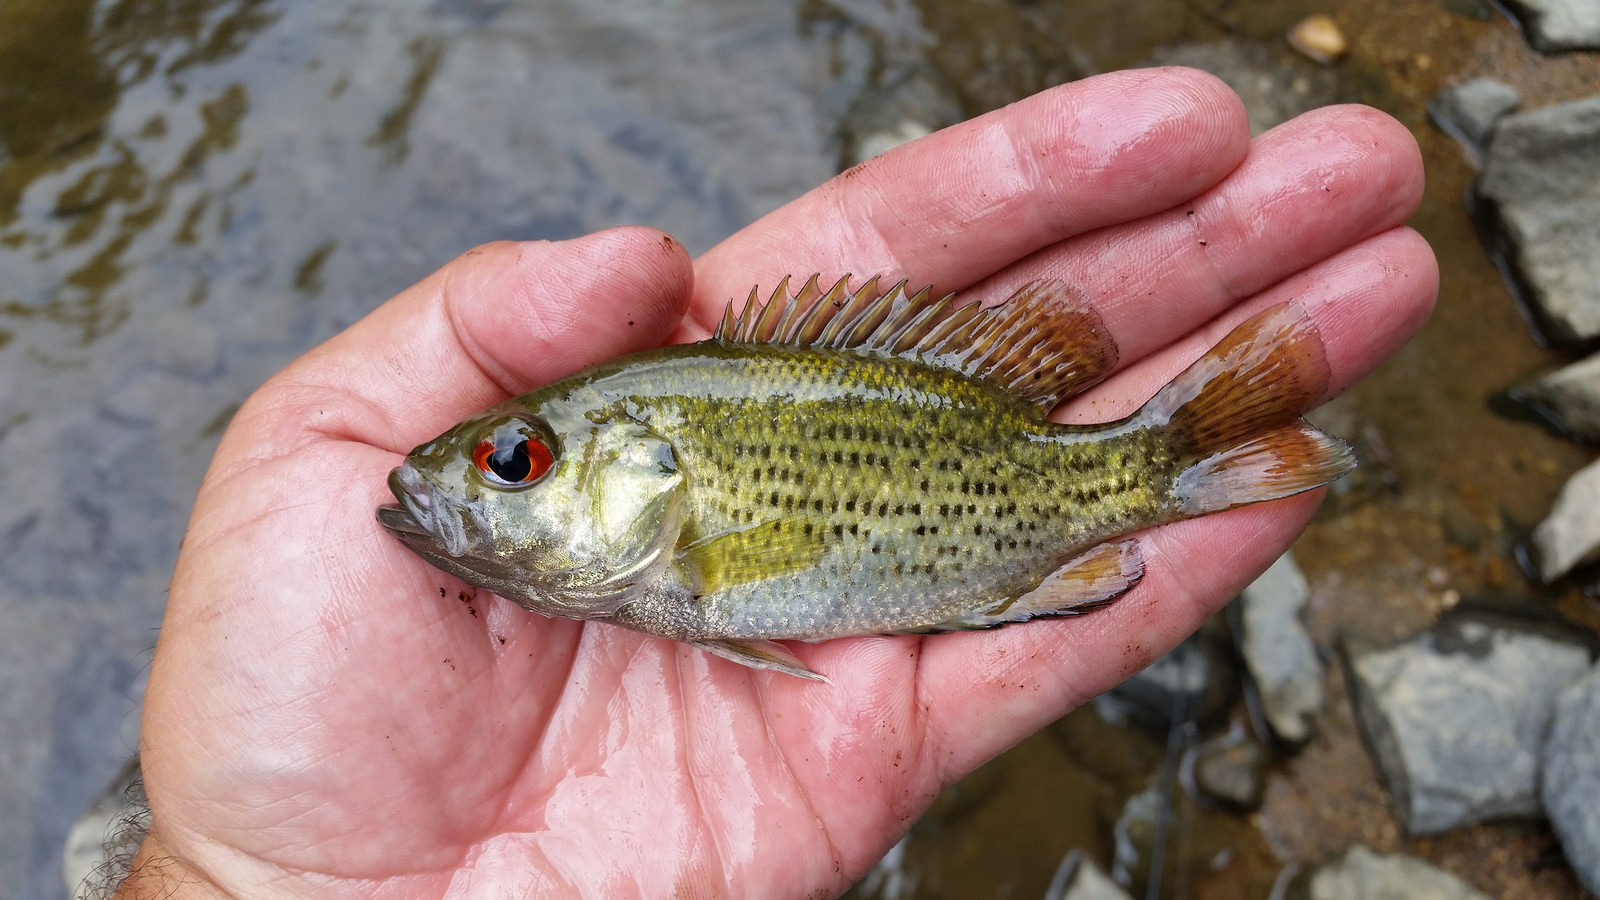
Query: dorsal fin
[1045, 343]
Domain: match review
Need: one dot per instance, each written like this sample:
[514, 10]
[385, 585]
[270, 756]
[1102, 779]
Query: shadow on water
[192, 193]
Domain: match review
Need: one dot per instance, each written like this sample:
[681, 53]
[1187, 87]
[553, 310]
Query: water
[192, 192]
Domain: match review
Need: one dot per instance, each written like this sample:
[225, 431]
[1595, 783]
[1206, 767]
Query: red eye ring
[512, 460]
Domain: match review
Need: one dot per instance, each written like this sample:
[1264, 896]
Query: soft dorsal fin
[1045, 343]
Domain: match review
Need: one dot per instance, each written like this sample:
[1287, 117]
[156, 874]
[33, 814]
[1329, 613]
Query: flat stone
[1468, 111]
[1568, 398]
[1570, 535]
[1457, 717]
[1541, 203]
[1364, 875]
[1571, 784]
[1278, 653]
[1555, 25]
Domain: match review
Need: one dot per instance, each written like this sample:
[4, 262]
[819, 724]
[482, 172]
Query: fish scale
[883, 458]
[836, 462]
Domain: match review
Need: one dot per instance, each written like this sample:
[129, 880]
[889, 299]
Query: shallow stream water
[192, 192]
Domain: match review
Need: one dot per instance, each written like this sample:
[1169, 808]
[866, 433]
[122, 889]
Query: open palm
[329, 714]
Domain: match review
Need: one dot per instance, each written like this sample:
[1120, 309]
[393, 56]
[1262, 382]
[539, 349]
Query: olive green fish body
[837, 464]
[894, 493]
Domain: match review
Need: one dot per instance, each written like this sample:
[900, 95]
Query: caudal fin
[1236, 413]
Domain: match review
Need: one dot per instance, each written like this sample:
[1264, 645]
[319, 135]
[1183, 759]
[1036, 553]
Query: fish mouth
[423, 519]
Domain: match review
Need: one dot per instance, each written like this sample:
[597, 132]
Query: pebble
[1568, 398]
[1319, 38]
[1552, 26]
[1468, 111]
[1364, 875]
[1570, 535]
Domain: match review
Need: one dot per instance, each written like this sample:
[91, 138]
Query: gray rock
[1555, 25]
[107, 834]
[1570, 535]
[1365, 875]
[1571, 785]
[1078, 878]
[1457, 717]
[1230, 771]
[1541, 202]
[1195, 681]
[1278, 653]
[1468, 111]
[1568, 398]
[878, 142]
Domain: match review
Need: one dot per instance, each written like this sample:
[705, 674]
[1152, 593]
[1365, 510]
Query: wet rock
[876, 142]
[1555, 25]
[1079, 878]
[1319, 38]
[1278, 653]
[1193, 682]
[1457, 717]
[1570, 535]
[1571, 784]
[1541, 203]
[1364, 875]
[1468, 111]
[1569, 399]
[1230, 771]
[900, 107]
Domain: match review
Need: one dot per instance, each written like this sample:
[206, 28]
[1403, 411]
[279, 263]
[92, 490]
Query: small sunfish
[835, 462]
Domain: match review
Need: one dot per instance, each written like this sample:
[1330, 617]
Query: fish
[835, 462]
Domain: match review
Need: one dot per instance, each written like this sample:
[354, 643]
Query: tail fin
[1237, 410]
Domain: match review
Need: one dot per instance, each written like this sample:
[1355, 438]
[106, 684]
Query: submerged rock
[1278, 653]
[1571, 785]
[1274, 89]
[1078, 878]
[1457, 717]
[1555, 25]
[1541, 201]
[1468, 111]
[108, 831]
[1568, 398]
[1570, 535]
[1193, 682]
[1365, 875]
[1230, 771]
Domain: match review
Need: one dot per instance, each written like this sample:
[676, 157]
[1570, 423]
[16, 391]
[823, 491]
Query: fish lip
[423, 516]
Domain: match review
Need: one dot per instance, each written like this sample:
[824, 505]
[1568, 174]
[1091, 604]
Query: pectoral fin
[1085, 583]
[758, 654]
[756, 553]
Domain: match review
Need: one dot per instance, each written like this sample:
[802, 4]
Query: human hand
[329, 715]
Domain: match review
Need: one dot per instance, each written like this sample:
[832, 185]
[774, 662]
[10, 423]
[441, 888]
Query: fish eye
[513, 454]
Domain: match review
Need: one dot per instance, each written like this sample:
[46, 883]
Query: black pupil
[513, 467]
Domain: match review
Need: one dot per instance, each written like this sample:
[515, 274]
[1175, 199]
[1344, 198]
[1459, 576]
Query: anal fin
[759, 654]
[1086, 583]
